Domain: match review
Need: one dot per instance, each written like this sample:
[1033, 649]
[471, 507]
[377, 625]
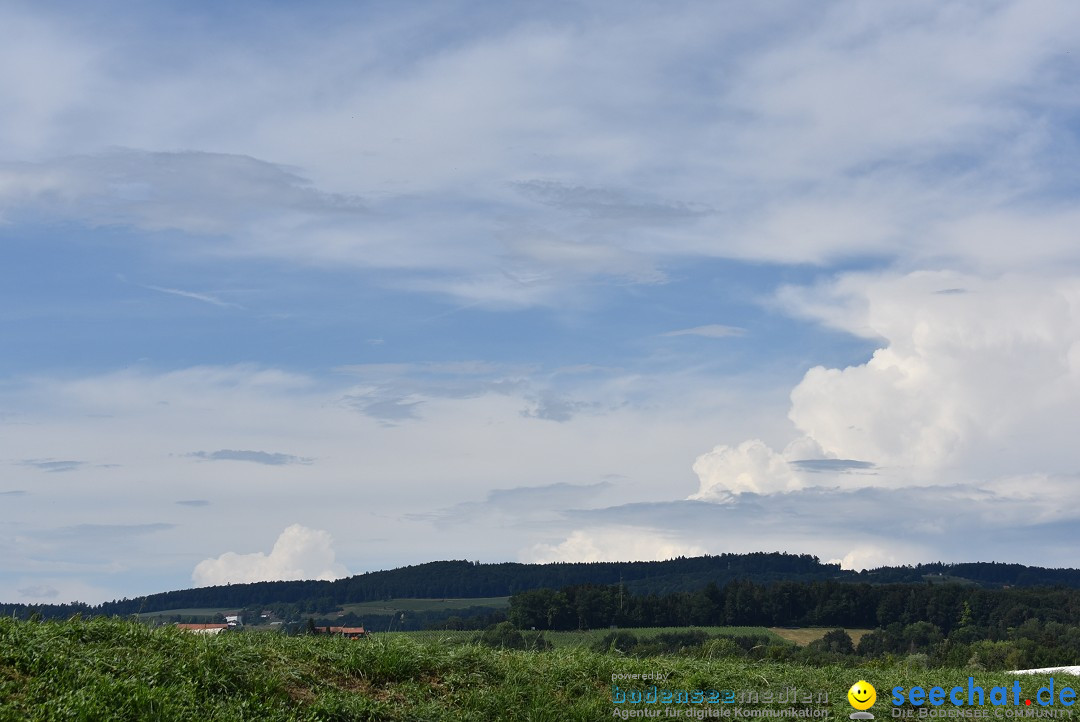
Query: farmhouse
[350, 632]
[203, 628]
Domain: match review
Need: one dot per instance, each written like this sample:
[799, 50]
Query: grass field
[119, 670]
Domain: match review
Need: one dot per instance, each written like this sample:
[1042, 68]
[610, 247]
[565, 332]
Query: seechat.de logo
[862, 696]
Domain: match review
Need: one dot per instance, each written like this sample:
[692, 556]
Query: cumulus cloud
[869, 556]
[964, 387]
[612, 545]
[299, 553]
[985, 382]
[750, 466]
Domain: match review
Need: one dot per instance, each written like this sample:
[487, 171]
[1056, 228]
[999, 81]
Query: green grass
[120, 670]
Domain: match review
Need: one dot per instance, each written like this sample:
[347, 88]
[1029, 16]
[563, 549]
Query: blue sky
[301, 292]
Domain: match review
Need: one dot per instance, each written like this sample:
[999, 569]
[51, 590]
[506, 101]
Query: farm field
[123, 670]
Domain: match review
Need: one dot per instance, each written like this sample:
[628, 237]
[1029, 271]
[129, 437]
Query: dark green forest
[928, 624]
[947, 607]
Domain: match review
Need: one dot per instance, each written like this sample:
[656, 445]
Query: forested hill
[464, 579]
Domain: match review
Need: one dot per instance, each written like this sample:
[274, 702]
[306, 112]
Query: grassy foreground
[119, 670]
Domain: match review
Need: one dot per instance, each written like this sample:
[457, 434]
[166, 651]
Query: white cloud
[979, 387]
[751, 466]
[908, 132]
[983, 383]
[299, 553]
[612, 545]
[869, 556]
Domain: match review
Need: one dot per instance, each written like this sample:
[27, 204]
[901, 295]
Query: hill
[465, 579]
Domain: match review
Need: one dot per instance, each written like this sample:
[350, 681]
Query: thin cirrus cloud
[204, 297]
[714, 330]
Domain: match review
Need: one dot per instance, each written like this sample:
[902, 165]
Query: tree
[837, 642]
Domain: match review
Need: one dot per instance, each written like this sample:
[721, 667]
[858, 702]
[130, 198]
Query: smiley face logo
[862, 695]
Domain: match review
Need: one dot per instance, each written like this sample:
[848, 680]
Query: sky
[302, 291]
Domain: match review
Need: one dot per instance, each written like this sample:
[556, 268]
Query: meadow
[124, 670]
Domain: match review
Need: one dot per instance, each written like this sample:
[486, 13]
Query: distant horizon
[300, 290]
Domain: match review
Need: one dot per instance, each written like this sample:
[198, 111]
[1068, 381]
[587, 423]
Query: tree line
[745, 603]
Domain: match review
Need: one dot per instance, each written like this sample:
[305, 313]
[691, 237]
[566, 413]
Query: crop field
[109, 669]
